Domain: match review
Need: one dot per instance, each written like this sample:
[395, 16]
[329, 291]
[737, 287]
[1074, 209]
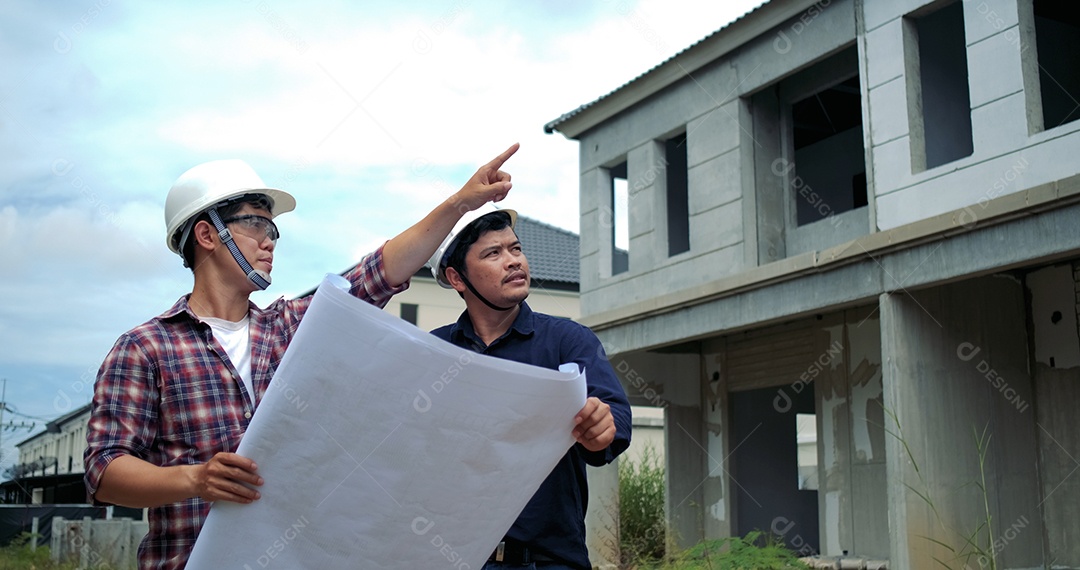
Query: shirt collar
[181, 307]
[524, 325]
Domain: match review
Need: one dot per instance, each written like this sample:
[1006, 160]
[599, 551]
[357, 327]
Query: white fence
[98, 543]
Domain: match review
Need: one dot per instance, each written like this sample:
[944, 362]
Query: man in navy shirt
[484, 263]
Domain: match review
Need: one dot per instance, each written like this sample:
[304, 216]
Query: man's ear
[204, 235]
[455, 280]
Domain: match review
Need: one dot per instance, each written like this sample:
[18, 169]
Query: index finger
[498, 161]
[234, 460]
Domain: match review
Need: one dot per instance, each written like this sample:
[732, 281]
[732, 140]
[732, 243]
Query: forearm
[411, 249]
[131, 482]
[407, 252]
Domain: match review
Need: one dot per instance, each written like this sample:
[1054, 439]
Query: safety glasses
[257, 227]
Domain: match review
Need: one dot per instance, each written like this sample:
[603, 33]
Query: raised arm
[410, 250]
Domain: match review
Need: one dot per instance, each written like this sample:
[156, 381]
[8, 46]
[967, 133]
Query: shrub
[753, 552]
[641, 509]
[18, 556]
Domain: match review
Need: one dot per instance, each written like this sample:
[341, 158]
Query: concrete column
[647, 206]
[955, 362]
[684, 431]
[716, 493]
[1054, 295]
[771, 188]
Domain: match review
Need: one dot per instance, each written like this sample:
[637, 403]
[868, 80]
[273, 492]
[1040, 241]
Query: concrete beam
[859, 271]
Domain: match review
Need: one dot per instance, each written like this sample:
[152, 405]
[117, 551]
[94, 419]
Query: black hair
[493, 222]
[226, 210]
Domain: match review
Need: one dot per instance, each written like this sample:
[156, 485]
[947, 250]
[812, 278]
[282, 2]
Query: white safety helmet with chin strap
[209, 185]
[441, 258]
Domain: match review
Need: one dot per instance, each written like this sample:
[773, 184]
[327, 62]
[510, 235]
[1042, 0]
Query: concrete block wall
[1052, 293]
[710, 107]
[714, 193]
[851, 435]
[1076, 279]
[97, 543]
[1008, 156]
[939, 347]
[1012, 152]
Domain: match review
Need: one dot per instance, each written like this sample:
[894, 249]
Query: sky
[370, 114]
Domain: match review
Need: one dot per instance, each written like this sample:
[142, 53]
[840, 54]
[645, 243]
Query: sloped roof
[553, 253]
[766, 15]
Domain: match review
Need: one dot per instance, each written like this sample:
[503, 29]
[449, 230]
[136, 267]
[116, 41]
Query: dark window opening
[943, 72]
[830, 164]
[620, 214]
[1057, 41]
[768, 468]
[409, 312]
[678, 205]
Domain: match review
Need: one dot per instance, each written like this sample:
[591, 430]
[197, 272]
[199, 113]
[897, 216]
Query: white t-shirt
[235, 338]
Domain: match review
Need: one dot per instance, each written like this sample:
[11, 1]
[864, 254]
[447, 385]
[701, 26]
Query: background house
[50, 466]
[862, 212]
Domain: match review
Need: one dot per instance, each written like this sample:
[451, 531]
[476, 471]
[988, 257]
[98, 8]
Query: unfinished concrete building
[862, 217]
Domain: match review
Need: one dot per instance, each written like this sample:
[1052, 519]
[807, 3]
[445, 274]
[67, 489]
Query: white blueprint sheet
[382, 446]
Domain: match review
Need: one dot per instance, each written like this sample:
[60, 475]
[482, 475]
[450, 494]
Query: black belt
[514, 552]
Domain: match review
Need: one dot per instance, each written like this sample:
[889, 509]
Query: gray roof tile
[553, 253]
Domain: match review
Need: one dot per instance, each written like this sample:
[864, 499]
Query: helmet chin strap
[260, 278]
[481, 297]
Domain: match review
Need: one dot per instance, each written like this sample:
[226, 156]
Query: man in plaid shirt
[176, 394]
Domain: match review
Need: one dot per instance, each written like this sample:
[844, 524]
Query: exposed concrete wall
[716, 492]
[708, 108]
[1057, 387]
[686, 465]
[1052, 234]
[851, 437]
[1006, 158]
[672, 381]
[952, 367]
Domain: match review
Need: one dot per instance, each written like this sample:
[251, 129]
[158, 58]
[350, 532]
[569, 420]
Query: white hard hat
[438, 261]
[211, 183]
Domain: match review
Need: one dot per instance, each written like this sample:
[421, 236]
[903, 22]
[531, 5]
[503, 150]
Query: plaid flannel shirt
[168, 394]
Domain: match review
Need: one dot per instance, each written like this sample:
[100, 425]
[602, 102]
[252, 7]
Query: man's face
[251, 237]
[498, 269]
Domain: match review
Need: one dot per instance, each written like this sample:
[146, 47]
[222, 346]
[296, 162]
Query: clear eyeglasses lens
[257, 225]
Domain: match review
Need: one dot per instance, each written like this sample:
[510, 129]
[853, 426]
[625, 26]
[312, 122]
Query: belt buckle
[500, 551]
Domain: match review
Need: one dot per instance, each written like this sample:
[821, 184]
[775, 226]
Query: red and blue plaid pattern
[168, 394]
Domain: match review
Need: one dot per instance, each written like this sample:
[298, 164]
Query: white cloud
[337, 102]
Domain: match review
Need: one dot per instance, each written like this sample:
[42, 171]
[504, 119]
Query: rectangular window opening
[943, 76]
[678, 206]
[806, 442]
[830, 164]
[409, 312]
[1057, 42]
[620, 220]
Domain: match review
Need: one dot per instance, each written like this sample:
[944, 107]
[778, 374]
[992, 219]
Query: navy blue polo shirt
[553, 522]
